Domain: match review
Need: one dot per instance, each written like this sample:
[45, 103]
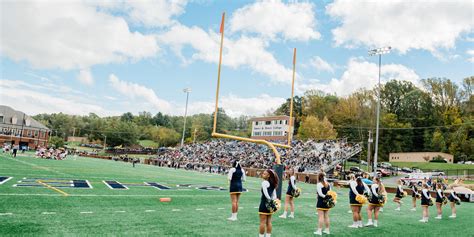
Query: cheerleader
[357, 187]
[398, 195]
[453, 198]
[269, 186]
[323, 210]
[236, 176]
[375, 202]
[414, 190]
[425, 200]
[439, 200]
[289, 195]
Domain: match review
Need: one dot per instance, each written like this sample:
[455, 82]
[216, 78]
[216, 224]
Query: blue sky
[112, 57]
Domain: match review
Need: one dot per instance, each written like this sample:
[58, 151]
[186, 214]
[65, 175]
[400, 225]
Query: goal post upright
[278, 167]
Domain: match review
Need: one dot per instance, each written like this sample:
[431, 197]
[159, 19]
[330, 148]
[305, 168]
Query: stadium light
[187, 91]
[379, 52]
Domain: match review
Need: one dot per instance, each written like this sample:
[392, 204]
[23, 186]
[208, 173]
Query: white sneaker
[397, 209]
[350, 211]
[291, 216]
[423, 220]
[376, 224]
[318, 232]
[360, 225]
[326, 232]
[353, 226]
[438, 217]
[452, 216]
[413, 209]
[232, 218]
[283, 216]
[369, 224]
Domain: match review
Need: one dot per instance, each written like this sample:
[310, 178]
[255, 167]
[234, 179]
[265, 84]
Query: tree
[56, 141]
[438, 142]
[313, 128]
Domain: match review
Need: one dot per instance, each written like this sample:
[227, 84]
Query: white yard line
[6, 214]
[150, 210]
[86, 212]
[199, 209]
[120, 211]
[48, 213]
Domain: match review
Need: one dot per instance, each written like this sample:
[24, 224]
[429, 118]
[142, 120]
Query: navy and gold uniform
[270, 191]
[291, 189]
[439, 196]
[453, 197]
[374, 200]
[321, 204]
[236, 175]
[352, 196]
[414, 190]
[399, 193]
[425, 197]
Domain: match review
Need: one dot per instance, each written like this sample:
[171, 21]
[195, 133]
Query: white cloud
[470, 52]
[139, 93]
[361, 74]
[68, 35]
[404, 25]
[236, 106]
[320, 64]
[243, 52]
[293, 21]
[85, 77]
[34, 100]
[156, 13]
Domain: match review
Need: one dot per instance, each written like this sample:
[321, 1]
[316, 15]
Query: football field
[85, 196]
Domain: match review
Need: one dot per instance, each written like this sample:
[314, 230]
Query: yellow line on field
[53, 188]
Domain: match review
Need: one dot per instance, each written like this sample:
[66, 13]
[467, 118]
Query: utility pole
[105, 142]
[73, 132]
[194, 139]
[368, 151]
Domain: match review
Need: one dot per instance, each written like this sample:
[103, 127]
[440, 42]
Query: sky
[112, 57]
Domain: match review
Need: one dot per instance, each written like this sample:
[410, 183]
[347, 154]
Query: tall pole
[291, 101]
[214, 127]
[378, 52]
[369, 151]
[186, 90]
[105, 142]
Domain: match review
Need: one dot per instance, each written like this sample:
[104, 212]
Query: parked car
[468, 163]
[437, 173]
[363, 162]
[384, 172]
[460, 162]
[386, 165]
[406, 170]
[355, 169]
[355, 160]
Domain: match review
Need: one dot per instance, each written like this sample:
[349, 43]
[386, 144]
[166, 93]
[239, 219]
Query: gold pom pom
[333, 195]
[361, 199]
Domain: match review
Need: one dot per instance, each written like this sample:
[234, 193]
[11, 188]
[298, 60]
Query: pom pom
[430, 202]
[333, 195]
[361, 199]
[296, 193]
[445, 200]
[418, 196]
[382, 199]
[273, 205]
[404, 194]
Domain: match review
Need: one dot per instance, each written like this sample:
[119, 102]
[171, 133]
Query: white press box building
[271, 128]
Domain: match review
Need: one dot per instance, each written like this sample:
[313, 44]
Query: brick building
[17, 128]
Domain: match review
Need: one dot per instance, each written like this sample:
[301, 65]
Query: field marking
[53, 188]
[37, 166]
[199, 209]
[176, 210]
[86, 212]
[220, 208]
[48, 213]
[120, 211]
[150, 210]
[125, 187]
[241, 208]
[6, 214]
[4, 181]
[255, 207]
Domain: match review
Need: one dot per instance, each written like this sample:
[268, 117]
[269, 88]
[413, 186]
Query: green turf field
[40, 211]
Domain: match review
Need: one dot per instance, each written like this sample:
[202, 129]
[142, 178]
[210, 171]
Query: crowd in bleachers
[216, 155]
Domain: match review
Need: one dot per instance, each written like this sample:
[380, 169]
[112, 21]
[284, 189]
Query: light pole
[378, 52]
[187, 91]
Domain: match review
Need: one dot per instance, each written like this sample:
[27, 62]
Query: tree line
[437, 115]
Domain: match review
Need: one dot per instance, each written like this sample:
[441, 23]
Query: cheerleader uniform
[414, 190]
[267, 190]
[322, 191]
[291, 186]
[399, 193]
[439, 196]
[374, 200]
[236, 176]
[453, 197]
[354, 191]
[425, 197]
